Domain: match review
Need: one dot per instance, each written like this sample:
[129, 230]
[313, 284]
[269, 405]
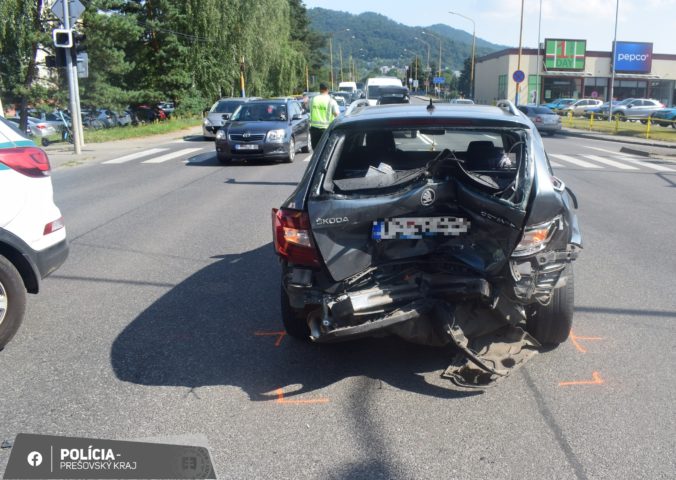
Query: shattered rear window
[368, 161]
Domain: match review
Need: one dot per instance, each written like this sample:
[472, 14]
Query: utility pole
[612, 78]
[331, 59]
[340, 51]
[518, 63]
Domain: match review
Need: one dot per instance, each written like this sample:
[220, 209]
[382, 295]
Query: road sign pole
[77, 106]
[72, 89]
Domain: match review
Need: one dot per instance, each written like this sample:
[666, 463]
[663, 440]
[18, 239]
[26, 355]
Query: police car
[32, 233]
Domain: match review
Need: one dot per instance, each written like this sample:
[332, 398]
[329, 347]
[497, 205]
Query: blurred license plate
[414, 228]
[246, 147]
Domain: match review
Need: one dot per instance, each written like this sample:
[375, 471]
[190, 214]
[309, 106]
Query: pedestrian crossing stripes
[591, 161]
[172, 155]
[597, 162]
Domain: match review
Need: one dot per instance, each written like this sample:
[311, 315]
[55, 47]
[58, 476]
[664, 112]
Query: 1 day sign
[563, 54]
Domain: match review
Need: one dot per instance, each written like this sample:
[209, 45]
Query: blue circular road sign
[518, 76]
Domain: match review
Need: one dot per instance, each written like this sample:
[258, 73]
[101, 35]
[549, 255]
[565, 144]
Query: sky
[498, 20]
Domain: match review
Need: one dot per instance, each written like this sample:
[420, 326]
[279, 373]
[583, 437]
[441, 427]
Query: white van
[373, 87]
[347, 87]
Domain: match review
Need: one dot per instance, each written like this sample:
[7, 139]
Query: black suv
[427, 222]
[264, 129]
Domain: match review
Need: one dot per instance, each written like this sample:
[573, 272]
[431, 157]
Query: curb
[614, 138]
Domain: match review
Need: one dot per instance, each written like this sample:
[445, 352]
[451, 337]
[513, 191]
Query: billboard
[562, 54]
[633, 57]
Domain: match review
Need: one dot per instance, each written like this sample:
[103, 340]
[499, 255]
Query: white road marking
[574, 161]
[633, 160]
[612, 163]
[134, 156]
[556, 165]
[425, 139]
[169, 156]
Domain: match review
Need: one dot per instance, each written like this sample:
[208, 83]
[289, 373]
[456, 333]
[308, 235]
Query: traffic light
[63, 38]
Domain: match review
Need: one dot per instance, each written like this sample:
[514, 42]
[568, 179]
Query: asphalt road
[164, 320]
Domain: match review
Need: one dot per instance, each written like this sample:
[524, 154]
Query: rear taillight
[538, 119]
[30, 161]
[293, 240]
[52, 227]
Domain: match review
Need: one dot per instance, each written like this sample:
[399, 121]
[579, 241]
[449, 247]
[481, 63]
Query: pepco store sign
[633, 57]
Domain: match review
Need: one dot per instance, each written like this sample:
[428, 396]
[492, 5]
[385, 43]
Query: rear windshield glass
[372, 160]
[225, 106]
[541, 111]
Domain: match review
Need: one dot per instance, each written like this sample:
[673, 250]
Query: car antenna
[430, 107]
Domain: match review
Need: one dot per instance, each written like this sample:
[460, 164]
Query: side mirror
[226, 116]
[629, 106]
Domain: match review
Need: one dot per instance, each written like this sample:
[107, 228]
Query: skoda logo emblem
[246, 135]
[427, 198]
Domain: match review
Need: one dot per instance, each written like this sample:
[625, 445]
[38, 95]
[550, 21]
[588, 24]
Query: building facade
[576, 75]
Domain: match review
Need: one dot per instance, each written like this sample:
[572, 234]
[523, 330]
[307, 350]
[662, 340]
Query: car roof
[417, 111]
[272, 100]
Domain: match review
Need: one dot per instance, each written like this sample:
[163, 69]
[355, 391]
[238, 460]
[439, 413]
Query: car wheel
[621, 116]
[293, 320]
[292, 151]
[223, 159]
[550, 324]
[644, 122]
[307, 148]
[44, 142]
[12, 301]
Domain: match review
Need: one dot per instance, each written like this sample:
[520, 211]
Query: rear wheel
[307, 148]
[551, 324]
[12, 301]
[621, 116]
[292, 151]
[293, 320]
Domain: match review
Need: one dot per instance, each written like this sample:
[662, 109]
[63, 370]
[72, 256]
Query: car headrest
[483, 155]
[381, 140]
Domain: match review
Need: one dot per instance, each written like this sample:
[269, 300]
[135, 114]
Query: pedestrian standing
[323, 109]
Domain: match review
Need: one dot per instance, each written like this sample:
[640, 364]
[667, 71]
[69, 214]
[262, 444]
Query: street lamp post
[612, 78]
[438, 38]
[471, 69]
[427, 68]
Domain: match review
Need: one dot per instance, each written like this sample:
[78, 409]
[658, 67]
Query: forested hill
[387, 41]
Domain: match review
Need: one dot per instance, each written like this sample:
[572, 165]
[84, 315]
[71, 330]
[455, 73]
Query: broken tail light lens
[291, 233]
[536, 238]
[29, 161]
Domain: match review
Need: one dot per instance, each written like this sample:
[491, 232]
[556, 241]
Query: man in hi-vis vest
[323, 109]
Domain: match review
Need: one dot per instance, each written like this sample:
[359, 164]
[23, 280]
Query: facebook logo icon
[34, 459]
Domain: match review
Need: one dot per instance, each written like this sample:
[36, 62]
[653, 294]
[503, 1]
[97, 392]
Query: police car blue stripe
[18, 143]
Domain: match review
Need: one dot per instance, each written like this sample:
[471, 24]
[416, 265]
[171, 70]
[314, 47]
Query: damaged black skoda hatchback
[438, 223]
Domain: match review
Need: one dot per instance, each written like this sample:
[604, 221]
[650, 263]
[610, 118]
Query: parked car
[462, 101]
[632, 109]
[580, 107]
[32, 232]
[218, 114]
[458, 231]
[123, 118]
[343, 99]
[36, 128]
[560, 103]
[544, 118]
[665, 117]
[167, 107]
[272, 129]
[146, 114]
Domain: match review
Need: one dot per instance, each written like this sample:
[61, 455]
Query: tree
[464, 82]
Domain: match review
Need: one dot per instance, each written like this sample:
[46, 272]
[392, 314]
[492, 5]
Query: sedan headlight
[536, 238]
[220, 135]
[207, 122]
[276, 136]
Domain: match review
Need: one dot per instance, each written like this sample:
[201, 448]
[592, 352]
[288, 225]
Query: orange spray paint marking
[574, 338]
[279, 335]
[596, 380]
[281, 399]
